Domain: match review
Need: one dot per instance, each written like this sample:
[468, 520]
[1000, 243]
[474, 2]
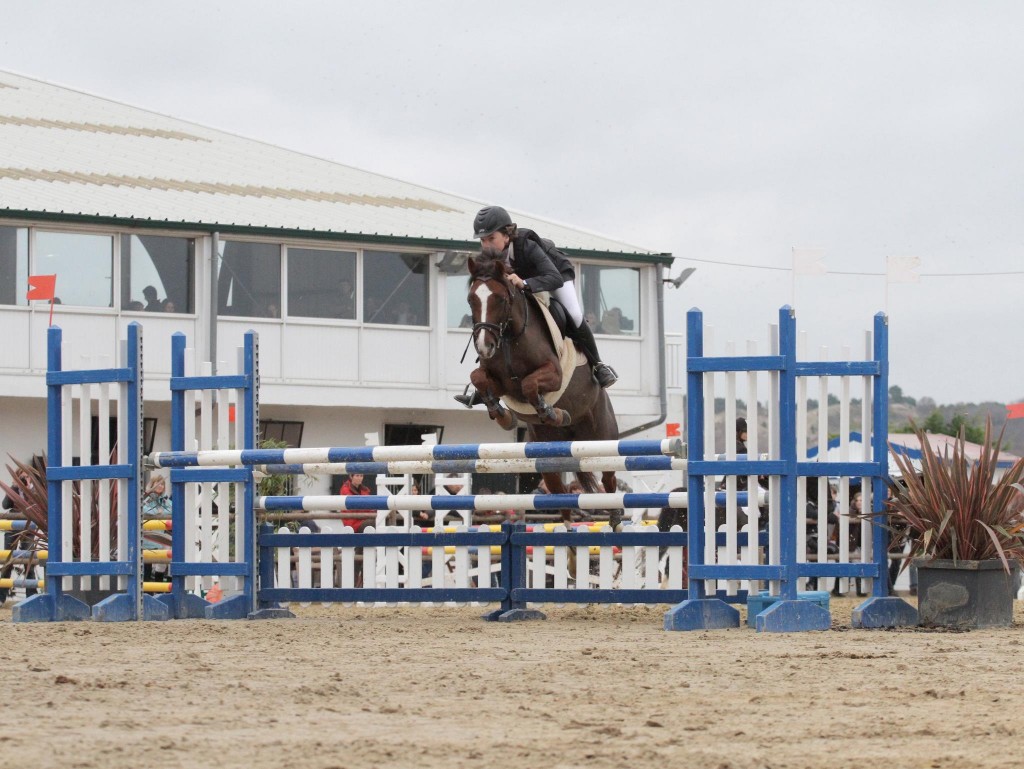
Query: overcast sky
[722, 132]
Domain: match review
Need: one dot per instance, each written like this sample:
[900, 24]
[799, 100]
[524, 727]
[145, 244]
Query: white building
[354, 281]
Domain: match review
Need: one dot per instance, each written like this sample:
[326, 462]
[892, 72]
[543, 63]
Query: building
[354, 281]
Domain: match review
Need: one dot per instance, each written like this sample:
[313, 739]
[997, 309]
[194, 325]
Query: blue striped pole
[550, 465]
[535, 450]
[479, 502]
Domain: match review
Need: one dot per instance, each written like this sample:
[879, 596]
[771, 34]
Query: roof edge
[324, 235]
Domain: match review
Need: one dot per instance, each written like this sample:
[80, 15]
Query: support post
[881, 610]
[513, 577]
[698, 611]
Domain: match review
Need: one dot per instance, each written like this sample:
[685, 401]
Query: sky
[726, 133]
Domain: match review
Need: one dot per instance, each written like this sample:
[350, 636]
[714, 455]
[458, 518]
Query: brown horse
[518, 358]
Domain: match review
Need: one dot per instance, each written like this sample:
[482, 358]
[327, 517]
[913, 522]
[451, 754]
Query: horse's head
[490, 300]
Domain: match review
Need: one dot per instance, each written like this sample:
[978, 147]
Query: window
[158, 273]
[249, 282]
[321, 284]
[13, 265]
[289, 433]
[611, 299]
[82, 263]
[396, 288]
[459, 314]
[148, 438]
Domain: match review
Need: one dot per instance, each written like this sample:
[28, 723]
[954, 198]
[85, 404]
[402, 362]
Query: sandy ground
[438, 687]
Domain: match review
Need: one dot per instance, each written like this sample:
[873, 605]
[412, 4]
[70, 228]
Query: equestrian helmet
[489, 220]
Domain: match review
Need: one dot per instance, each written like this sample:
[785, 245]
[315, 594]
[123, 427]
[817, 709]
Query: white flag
[902, 269]
[808, 261]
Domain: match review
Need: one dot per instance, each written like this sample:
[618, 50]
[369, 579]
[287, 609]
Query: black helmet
[489, 220]
[741, 425]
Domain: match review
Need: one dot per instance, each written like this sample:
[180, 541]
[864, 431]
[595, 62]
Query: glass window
[611, 299]
[286, 432]
[396, 288]
[321, 284]
[13, 265]
[459, 314]
[249, 281]
[82, 263]
[158, 273]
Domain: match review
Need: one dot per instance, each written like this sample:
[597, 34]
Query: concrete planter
[965, 594]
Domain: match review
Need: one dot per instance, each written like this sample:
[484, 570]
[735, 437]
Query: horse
[518, 358]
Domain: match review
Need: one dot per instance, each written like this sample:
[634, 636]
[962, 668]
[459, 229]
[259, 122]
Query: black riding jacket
[537, 268]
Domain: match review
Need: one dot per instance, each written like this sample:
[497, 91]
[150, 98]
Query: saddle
[568, 356]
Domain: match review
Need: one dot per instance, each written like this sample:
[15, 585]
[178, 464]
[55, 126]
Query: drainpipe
[663, 394]
[214, 263]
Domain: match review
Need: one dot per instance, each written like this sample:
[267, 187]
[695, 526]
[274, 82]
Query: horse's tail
[589, 483]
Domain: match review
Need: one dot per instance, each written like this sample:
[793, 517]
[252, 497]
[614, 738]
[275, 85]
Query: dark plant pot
[965, 594]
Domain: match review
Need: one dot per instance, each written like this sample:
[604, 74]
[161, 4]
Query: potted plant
[28, 496]
[966, 530]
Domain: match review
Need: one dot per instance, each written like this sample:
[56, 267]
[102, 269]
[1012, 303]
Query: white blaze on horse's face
[485, 341]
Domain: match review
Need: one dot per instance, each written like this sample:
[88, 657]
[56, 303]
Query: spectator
[346, 298]
[155, 503]
[135, 306]
[404, 316]
[152, 303]
[611, 321]
[353, 487]
[168, 305]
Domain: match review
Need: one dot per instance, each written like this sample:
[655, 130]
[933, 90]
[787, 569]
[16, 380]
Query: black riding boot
[584, 339]
[469, 399]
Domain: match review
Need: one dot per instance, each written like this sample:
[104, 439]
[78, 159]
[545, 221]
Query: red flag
[1015, 411]
[672, 430]
[41, 287]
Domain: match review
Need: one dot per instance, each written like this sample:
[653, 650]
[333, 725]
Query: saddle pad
[568, 359]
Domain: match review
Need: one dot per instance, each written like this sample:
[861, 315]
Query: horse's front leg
[546, 379]
[490, 392]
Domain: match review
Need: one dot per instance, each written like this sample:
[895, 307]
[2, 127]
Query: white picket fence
[465, 566]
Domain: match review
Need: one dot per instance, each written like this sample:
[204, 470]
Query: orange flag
[672, 429]
[41, 287]
[1015, 410]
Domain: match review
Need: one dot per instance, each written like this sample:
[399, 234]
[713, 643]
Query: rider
[534, 270]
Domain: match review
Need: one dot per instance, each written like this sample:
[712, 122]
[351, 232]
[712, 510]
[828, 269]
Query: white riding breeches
[566, 296]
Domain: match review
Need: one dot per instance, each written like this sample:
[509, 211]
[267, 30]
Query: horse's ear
[472, 265]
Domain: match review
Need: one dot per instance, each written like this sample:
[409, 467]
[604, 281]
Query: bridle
[502, 331]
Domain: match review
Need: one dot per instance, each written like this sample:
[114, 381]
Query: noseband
[502, 330]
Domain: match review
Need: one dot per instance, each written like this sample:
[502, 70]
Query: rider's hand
[516, 281]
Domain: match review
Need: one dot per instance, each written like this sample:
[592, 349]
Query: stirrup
[605, 375]
[469, 399]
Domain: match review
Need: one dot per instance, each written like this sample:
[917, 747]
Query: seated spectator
[168, 306]
[135, 306]
[155, 502]
[611, 321]
[404, 316]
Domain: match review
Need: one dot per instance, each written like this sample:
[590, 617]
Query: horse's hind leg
[610, 484]
[551, 415]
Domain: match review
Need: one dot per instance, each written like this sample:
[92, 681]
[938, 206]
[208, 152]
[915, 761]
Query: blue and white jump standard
[784, 570]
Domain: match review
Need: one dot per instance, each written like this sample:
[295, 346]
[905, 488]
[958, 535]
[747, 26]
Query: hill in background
[903, 410]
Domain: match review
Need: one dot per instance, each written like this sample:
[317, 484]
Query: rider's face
[494, 243]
